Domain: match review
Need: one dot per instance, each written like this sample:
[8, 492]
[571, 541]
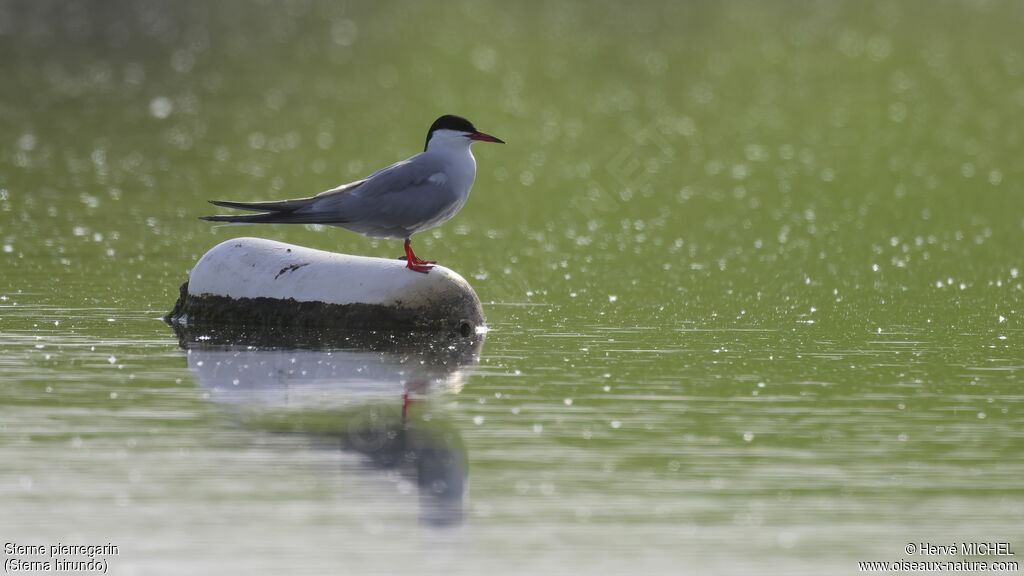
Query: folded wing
[396, 201]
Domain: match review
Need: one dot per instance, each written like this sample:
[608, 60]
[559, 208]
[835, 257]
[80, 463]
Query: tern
[395, 202]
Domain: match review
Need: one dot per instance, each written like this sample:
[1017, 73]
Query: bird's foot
[418, 265]
[423, 267]
[412, 262]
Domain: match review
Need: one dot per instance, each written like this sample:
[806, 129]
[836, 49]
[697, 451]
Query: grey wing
[397, 201]
[280, 211]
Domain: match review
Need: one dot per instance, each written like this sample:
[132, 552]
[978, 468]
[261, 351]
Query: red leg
[414, 387]
[405, 411]
[414, 263]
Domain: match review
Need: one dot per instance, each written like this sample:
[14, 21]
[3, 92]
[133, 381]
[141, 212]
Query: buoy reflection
[372, 400]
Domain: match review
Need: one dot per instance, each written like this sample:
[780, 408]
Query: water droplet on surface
[484, 58]
[344, 32]
[787, 540]
[879, 48]
[27, 142]
[161, 107]
[656, 63]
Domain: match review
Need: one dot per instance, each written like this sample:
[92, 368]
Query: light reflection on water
[578, 445]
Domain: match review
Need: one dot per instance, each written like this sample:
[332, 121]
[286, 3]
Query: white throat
[453, 148]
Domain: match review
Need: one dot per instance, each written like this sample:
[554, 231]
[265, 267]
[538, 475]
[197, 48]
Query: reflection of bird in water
[435, 457]
[411, 387]
[348, 398]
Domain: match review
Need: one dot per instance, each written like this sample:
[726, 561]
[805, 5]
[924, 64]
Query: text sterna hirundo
[396, 202]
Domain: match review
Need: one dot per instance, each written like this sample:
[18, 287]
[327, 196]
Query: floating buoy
[254, 283]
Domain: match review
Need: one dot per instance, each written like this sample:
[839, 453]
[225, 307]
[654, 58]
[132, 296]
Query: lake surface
[752, 275]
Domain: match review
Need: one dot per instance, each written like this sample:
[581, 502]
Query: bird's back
[402, 199]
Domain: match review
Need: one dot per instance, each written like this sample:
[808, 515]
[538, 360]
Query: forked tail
[280, 212]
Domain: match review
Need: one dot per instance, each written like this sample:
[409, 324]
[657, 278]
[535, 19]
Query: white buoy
[255, 282]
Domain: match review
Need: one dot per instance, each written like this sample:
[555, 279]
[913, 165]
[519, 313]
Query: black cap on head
[450, 122]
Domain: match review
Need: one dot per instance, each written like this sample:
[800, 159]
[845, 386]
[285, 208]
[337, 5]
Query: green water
[752, 273]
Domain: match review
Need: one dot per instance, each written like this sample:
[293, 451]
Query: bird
[407, 197]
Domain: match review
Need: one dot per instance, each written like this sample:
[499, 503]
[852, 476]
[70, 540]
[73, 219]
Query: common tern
[395, 202]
